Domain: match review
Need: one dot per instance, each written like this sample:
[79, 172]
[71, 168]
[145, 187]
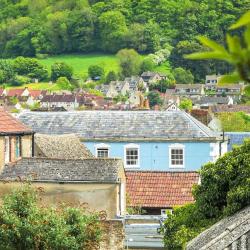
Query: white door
[6, 149]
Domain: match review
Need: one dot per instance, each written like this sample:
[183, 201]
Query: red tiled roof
[15, 92]
[1, 91]
[35, 93]
[160, 189]
[10, 125]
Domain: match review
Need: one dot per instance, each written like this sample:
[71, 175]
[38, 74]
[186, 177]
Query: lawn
[80, 63]
[37, 86]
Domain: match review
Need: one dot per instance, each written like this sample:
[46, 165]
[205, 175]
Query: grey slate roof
[232, 232]
[60, 147]
[213, 99]
[58, 170]
[236, 138]
[120, 125]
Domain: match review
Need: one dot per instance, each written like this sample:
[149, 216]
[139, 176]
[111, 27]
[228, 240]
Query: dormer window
[176, 155]
[102, 150]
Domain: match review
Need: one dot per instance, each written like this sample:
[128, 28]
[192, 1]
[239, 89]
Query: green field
[80, 63]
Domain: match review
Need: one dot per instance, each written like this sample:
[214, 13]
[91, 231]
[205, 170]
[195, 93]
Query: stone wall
[27, 146]
[1, 152]
[113, 235]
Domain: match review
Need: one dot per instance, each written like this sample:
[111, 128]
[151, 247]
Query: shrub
[20, 80]
[95, 71]
[26, 225]
[61, 69]
[64, 83]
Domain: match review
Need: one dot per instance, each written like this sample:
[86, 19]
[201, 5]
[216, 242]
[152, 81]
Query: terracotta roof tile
[9, 124]
[15, 92]
[35, 93]
[160, 189]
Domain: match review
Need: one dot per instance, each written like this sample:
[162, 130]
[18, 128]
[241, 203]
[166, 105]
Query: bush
[64, 83]
[26, 225]
[224, 190]
[95, 71]
[20, 80]
[183, 76]
[186, 104]
[61, 69]
[154, 98]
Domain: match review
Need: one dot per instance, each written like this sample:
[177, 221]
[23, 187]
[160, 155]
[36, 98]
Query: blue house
[145, 140]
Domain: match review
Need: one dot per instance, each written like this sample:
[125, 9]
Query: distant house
[208, 101]
[152, 77]
[122, 87]
[229, 89]
[145, 140]
[18, 92]
[16, 139]
[212, 81]
[3, 92]
[67, 101]
[236, 138]
[135, 82]
[231, 108]
[158, 192]
[189, 89]
[97, 183]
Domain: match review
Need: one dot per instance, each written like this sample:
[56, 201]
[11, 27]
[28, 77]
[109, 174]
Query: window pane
[177, 157]
[131, 156]
[102, 152]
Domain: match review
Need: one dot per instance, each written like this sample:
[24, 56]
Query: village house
[136, 83]
[152, 77]
[145, 140]
[97, 183]
[189, 90]
[3, 92]
[229, 89]
[67, 101]
[211, 82]
[16, 139]
[205, 102]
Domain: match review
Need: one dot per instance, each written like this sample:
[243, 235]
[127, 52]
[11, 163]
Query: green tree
[147, 65]
[64, 83]
[26, 225]
[112, 27]
[95, 71]
[61, 69]
[6, 71]
[154, 98]
[183, 76]
[111, 76]
[129, 61]
[237, 52]
[224, 190]
[186, 104]
[30, 67]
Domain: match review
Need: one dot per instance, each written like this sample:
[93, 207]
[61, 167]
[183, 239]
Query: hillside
[56, 27]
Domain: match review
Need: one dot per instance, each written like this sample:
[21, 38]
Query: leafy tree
[30, 67]
[112, 27]
[61, 69]
[183, 76]
[64, 83]
[154, 98]
[186, 104]
[129, 61]
[224, 190]
[147, 65]
[237, 52]
[6, 71]
[26, 225]
[111, 76]
[95, 71]
[162, 85]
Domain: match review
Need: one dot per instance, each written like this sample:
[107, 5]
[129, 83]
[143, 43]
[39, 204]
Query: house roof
[15, 92]
[120, 125]
[35, 93]
[58, 170]
[231, 108]
[149, 74]
[58, 98]
[10, 125]
[61, 146]
[160, 189]
[188, 86]
[213, 100]
[1, 91]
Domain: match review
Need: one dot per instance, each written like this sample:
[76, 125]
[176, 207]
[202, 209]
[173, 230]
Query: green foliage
[26, 225]
[111, 76]
[147, 65]
[95, 71]
[186, 104]
[20, 80]
[30, 67]
[64, 83]
[224, 190]
[228, 121]
[6, 71]
[183, 76]
[154, 98]
[61, 69]
[162, 85]
[237, 52]
[130, 62]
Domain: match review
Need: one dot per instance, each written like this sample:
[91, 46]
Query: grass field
[80, 63]
[37, 86]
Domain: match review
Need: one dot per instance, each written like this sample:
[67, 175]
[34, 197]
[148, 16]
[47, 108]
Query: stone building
[16, 139]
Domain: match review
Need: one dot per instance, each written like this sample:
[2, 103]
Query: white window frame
[131, 146]
[102, 146]
[176, 146]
